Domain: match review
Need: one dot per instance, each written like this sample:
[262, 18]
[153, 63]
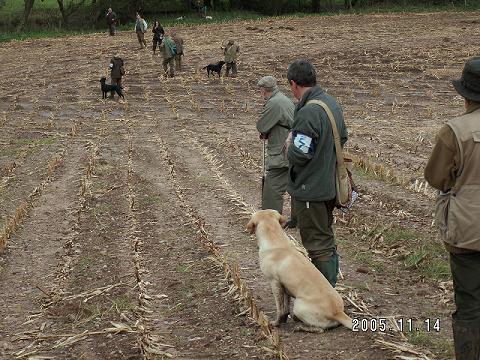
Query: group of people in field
[300, 158]
[169, 44]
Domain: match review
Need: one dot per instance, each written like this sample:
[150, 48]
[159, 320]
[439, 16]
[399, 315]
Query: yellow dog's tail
[344, 319]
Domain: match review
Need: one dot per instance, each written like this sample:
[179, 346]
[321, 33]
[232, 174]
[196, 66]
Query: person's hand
[263, 136]
[288, 141]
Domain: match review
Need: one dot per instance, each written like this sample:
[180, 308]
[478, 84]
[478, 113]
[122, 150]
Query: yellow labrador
[291, 274]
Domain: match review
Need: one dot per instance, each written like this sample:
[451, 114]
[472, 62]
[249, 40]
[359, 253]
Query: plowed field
[122, 222]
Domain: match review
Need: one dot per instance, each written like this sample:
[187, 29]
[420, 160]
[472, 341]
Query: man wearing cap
[454, 169]
[274, 124]
[231, 52]
[311, 155]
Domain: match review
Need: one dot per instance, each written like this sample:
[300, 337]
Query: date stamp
[392, 325]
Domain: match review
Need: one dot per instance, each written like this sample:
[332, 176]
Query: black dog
[214, 68]
[110, 88]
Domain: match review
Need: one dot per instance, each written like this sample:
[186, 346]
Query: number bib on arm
[303, 143]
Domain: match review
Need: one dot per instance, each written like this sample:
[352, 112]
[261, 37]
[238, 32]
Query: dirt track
[126, 220]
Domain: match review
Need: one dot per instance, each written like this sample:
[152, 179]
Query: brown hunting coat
[454, 169]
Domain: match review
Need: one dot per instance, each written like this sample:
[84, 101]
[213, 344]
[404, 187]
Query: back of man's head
[303, 73]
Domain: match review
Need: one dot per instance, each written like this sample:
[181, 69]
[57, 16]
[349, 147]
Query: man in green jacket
[274, 124]
[311, 154]
[168, 49]
[454, 169]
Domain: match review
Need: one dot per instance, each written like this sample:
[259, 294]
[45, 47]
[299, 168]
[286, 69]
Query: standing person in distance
[141, 29]
[454, 170]
[168, 49]
[111, 19]
[311, 153]
[117, 70]
[274, 125]
[158, 34]
[177, 39]
[230, 52]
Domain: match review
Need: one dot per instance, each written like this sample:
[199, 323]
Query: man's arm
[269, 118]
[444, 161]
[301, 142]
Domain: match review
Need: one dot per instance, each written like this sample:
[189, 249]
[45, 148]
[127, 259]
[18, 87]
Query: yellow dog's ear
[251, 226]
[282, 220]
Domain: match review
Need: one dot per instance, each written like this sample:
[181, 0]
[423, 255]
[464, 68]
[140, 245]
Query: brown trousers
[141, 39]
[178, 62]
[169, 63]
[111, 29]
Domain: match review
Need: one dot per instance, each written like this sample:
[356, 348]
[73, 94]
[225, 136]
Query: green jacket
[276, 121]
[312, 168]
[166, 48]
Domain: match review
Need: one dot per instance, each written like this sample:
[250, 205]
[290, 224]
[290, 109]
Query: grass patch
[16, 6]
[416, 250]
[367, 259]
[431, 259]
[189, 19]
[152, 199]
[361, 173]
[394, 235]
[431, 340]
[122, 304]
[184, 268]
[206, 180]
[26, 143]
[84, 264]
[31, 35]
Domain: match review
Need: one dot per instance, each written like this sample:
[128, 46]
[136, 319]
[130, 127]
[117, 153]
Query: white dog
[291, 274]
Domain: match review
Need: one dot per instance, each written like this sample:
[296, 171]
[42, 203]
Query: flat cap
[268, 82]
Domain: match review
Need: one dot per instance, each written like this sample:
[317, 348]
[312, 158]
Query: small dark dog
[214, 68]
[110, 88]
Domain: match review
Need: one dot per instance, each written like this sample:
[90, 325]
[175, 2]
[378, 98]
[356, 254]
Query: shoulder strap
[336, 136]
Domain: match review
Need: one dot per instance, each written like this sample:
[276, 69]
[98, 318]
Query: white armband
[303, 143]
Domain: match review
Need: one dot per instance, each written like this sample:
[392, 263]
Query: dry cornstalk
[238, 288]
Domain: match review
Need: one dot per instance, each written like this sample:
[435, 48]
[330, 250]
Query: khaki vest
[458, 211]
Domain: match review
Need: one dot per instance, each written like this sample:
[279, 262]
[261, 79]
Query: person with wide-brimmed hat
[454, 169]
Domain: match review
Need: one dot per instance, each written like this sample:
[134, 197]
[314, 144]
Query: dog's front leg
[282, 301]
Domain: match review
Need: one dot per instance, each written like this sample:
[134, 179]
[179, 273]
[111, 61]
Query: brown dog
[291, 274]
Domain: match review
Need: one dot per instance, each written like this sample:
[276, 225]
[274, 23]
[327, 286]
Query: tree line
[91, 12]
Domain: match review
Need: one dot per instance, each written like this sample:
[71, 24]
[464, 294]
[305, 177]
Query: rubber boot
[328, 267]
[466, 337]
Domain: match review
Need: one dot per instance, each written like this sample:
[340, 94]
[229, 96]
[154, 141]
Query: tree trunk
[62, 11]
[26, 14]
